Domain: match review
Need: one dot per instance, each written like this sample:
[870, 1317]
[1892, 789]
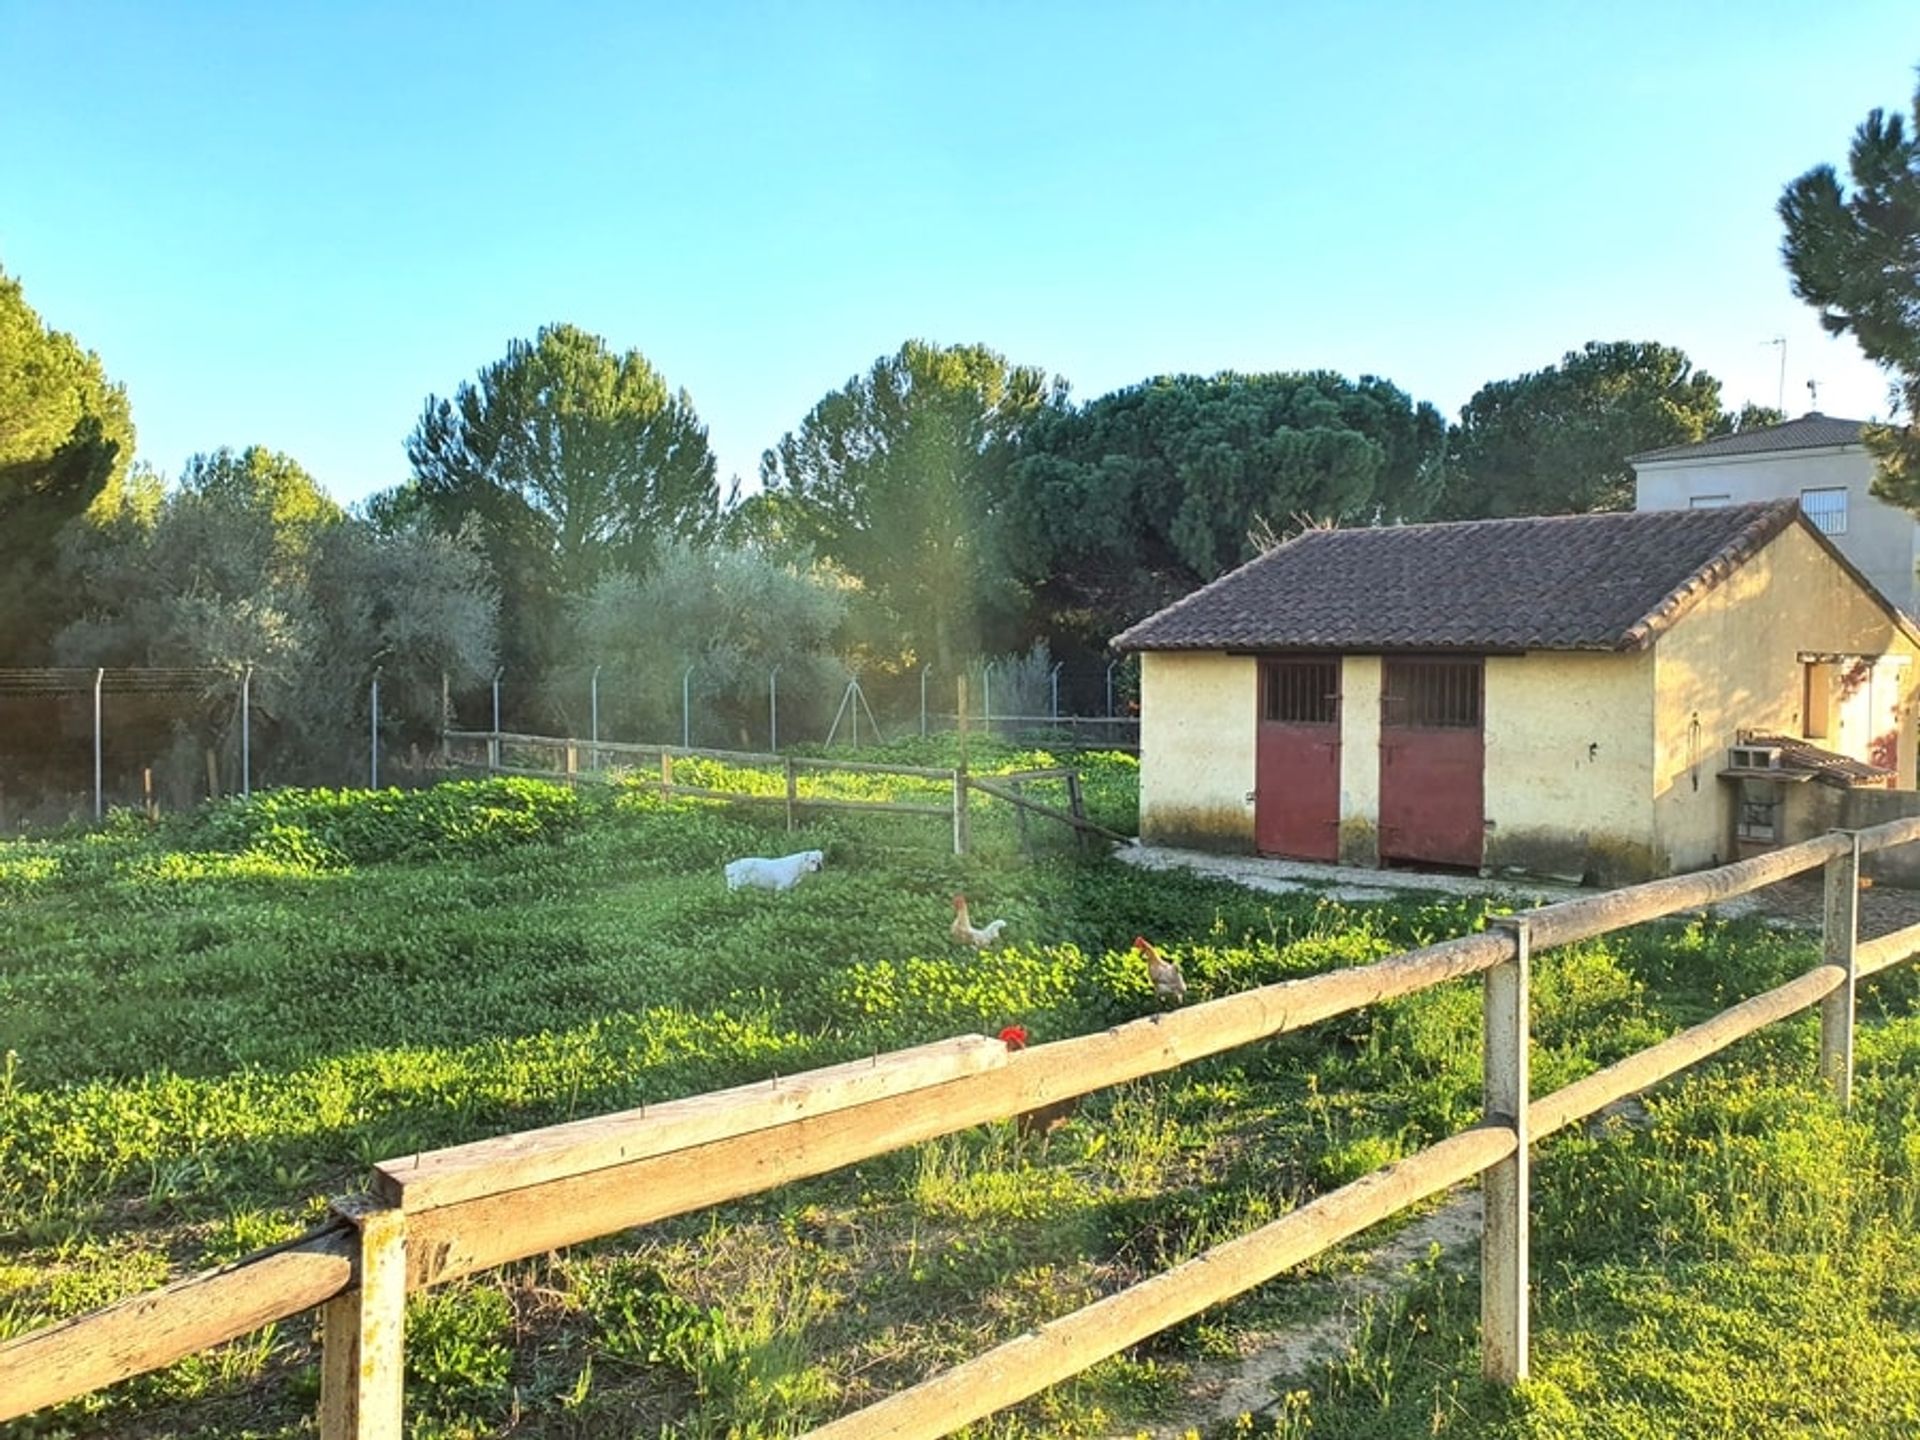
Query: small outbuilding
[1575, 696]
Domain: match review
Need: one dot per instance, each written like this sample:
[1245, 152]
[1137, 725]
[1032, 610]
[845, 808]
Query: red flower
[1015, 1037]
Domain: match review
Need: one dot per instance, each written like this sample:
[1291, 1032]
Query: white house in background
[1817, 460]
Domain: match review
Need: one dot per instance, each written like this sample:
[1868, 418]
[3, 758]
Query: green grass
[1749, 1265]
[213, 1025]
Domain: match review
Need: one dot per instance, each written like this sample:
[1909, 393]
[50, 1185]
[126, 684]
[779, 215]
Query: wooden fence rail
[151, 1331]
[438, 1216]
[1008, 787]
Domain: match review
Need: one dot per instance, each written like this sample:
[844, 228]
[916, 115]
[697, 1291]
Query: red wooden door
[1296, 805]
[1432, 762]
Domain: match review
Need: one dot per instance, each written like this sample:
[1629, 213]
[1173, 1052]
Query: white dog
[782, 874]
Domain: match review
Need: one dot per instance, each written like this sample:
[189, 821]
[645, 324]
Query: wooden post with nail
[363, 1332]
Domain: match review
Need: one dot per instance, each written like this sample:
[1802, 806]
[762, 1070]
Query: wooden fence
[504, 753]
[435, 1217]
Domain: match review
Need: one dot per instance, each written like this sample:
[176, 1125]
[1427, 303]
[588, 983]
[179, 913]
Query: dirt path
[1221, 1393]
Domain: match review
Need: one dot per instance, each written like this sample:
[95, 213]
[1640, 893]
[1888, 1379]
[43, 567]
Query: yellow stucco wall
[1197, 722]
[1732, 663]
[1569, 772]
[1360, 760]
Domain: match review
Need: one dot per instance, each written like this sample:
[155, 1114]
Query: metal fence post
[493, 741]
[363, 1333]
[593, 733]
[1504, 1228]
[246, 731]
[773, 712]
[686, 709]
[986, 699]
[962, 829]
[1110, 666]
[1839, 935]
[793, 794]
[925, 671]
[99, 801]
[1053, 683]
[373, 732]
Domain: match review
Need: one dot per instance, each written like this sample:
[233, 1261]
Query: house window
[1827, 509]
[1759, 817]
[1709, 502]
[1432, 694]
[1300, 692]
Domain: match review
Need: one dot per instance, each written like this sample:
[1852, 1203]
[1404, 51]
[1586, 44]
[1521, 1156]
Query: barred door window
[1300, 692]
[1432, 694]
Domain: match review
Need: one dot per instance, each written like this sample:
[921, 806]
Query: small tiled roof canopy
[1802, 759]
[1562, 582]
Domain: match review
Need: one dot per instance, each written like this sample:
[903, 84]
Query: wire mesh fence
[76, 742]
[1085, 704]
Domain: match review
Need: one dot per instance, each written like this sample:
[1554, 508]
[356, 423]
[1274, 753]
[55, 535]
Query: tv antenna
[1780, 400]
[1813, 395]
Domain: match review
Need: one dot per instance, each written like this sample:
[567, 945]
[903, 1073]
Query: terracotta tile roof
[1826, 766]
[1809, 432]
[1563, 582]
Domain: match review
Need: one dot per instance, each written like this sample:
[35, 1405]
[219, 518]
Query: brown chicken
[1042, 1120]
[1168, 983]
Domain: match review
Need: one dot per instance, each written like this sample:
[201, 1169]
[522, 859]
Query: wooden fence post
[962, 826]
[572, 763]
[1020, 820]
[1504, 1231]
[1839, 938]
[793, 794]
[363, 1333]
[666, 770]
[1077, 807]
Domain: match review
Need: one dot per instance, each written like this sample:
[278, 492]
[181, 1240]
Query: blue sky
[288, 224]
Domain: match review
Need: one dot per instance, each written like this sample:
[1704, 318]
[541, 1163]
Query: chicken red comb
[1140, 942]
[1014, 1036]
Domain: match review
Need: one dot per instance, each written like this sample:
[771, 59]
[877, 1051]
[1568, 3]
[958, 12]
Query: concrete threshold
[1337, 882]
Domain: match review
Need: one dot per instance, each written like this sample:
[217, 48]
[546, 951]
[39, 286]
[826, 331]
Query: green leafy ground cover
[213, 1025]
